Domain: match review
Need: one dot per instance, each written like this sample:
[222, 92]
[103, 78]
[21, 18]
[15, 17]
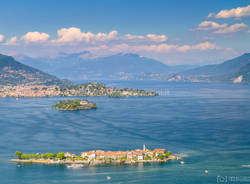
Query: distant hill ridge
[13, 72]
[220, 69]
[235, 70]
[114, 67]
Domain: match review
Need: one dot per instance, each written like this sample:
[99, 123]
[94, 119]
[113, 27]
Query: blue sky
[174, 32]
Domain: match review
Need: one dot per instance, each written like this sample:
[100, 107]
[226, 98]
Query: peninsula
[96, 157]
[73, 105]
[86, 89]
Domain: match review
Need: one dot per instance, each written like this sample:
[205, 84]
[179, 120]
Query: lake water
[208, 124]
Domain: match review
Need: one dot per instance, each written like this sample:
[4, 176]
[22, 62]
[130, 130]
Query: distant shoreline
[85, 89]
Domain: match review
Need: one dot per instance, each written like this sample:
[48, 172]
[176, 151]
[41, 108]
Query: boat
[74, 166]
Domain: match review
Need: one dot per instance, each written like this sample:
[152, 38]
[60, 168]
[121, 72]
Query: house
[67, 154]
[140, 156]
[84, 154]
[91, 155]
[149, 153]
[110, 154]
[100, 154]
[159, 151]
[129, 155]
[84, 102]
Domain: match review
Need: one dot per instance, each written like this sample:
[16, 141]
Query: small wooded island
[73, 105]
[96, 157]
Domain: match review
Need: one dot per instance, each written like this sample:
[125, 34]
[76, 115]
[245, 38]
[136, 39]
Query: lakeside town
[86, 89]
[96, 157]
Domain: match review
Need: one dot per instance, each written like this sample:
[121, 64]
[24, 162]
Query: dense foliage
[74, 105]
[20, 155]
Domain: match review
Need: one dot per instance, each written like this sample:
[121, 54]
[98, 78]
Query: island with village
[97, 157]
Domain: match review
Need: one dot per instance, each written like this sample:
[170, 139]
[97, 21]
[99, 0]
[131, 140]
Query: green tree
[161, 156]
[147, 157]
[60, 155]
[167, 154]
[18, 154]
[44, 156]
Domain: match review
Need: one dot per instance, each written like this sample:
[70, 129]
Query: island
[73, 105]
[96, 157]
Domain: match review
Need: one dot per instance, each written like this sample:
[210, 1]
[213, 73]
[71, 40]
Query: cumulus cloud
[231, 29]
[205, 46]
[1, 37]
[32, 37]
[157, 38]
[201, 47]
[220, 28]
[133, 37]
[74, 35]
[163, 48]
[210, 25]
[248, 31]
[12, 41]
[235, 12]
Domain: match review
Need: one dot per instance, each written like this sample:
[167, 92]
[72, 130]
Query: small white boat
[182, 162]
[74, 166]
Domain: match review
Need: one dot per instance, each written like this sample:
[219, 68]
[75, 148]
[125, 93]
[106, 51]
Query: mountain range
[120, 66]
[235, 70]
[116, 67]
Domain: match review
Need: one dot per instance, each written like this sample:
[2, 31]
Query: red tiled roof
[159, 150]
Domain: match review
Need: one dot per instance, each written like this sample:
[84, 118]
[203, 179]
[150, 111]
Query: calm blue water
[209, 124]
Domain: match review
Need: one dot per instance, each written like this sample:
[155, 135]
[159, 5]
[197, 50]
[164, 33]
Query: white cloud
[205, 46]
[210, 15]
[210, 25]
[235, 12]
[32, 37]
[163, 48]
[1, 37]
[148, 37]
[220, 28]
[12, 41]
[133, 37]
[74, 35]
[248, 31]
[200, 47]
[231, 29]
[106, 37]
[157, 38]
